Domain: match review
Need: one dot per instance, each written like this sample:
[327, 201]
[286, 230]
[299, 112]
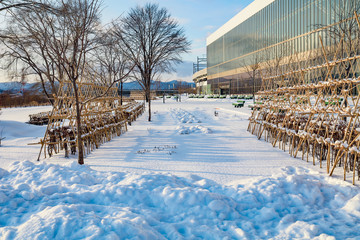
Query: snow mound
[192, 129]
[46, 201]
[183, 116]
[187, 118]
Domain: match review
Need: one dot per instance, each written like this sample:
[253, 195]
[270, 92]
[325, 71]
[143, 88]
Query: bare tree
[55, 44]
[8, 5]
[345, 32]
[153, 41]
[182, 87]
[78, 20]
[109, 63]
[275, 62]
[60, 45]
[27, 40]
[18, 8]
[252, 68]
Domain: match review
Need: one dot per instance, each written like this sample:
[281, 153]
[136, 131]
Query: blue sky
[199, 18]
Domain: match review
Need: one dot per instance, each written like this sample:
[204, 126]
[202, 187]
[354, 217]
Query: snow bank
[192, 129]
[187, 118]
[46, 201]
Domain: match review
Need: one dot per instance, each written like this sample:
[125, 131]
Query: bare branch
[153, 41]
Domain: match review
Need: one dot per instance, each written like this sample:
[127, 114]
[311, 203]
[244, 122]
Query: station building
[266, 29]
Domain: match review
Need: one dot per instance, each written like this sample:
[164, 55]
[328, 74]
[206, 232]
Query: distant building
[200, 75]
[265, 28]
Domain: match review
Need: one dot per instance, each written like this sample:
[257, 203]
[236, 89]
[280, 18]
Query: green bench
[239, 104]
[333, 102]
[252, 106]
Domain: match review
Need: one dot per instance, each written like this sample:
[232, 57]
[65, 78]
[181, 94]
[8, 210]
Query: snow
[45, 201]
[193, 129]
[155, 183]
[184, 116]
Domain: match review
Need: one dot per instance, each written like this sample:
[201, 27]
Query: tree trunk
[254, 86]
[149, 101]
[121, 93]
[78, 126]
[51, 99]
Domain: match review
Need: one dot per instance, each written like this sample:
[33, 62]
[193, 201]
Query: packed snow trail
[196, 141]
[47, 201]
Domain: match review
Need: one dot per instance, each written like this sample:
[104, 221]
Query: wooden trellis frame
[102, 118]
[319, 119]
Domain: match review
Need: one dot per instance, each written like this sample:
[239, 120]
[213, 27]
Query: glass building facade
[294, 22]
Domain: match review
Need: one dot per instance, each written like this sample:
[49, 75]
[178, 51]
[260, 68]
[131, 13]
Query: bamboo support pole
[102, 118]
[322, 117]
[345, 166]
[328, 159]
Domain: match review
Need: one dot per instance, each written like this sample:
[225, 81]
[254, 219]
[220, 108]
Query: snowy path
[217, 148]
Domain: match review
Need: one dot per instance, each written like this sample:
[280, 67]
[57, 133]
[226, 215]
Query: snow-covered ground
[188, 174]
